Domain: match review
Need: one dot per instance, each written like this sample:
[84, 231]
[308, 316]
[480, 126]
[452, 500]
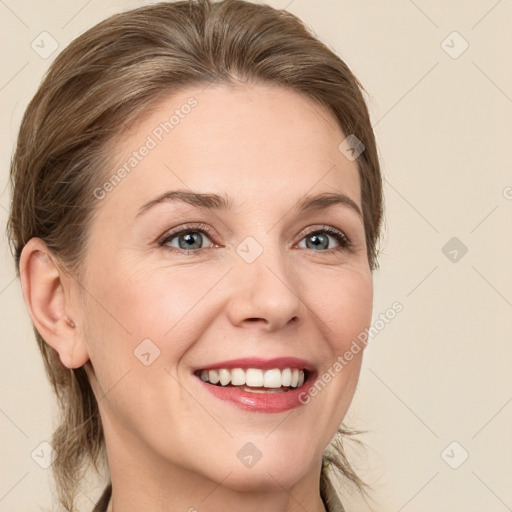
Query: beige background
[440, 371]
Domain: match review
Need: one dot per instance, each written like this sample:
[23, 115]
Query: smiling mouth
[256, 380]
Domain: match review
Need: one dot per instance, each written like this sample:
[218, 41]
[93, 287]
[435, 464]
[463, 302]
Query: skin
[171, 445]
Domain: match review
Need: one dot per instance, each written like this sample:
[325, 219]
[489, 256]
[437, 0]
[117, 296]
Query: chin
[268, 474]
[265, 479]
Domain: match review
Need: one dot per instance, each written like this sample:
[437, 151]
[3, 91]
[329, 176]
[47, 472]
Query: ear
[48, 293]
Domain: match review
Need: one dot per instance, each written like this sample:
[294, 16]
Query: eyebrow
[225, 202]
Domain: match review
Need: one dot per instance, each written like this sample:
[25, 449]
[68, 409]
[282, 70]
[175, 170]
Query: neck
[141, 480]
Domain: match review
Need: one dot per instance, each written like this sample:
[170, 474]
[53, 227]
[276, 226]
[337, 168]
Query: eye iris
[190, 239]
[321, 241]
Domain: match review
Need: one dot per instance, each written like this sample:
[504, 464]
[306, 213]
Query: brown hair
[109, 76]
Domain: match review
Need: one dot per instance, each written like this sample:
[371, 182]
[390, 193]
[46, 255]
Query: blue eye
[320, 239]
[189, 240]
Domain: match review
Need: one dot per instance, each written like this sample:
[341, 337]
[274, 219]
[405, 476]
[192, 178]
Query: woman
[196, 207]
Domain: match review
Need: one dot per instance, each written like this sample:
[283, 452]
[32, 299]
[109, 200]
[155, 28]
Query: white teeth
[254, 377]
[225, 376]
[286, 377]
[237, 377]
[273, 378]
[256, 390]
[213, 376]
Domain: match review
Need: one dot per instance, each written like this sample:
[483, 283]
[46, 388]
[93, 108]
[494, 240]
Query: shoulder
[329, 496]
[102, 504]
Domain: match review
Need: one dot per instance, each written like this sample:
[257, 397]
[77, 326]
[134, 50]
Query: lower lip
[261, 402]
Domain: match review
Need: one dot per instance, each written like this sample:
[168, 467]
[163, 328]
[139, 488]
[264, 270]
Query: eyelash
[341, 238]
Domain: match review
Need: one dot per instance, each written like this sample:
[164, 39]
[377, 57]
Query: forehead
[261, 139]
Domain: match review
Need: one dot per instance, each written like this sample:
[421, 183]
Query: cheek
[138, 327]
[171, 307]
[129, 304]
[344, 304]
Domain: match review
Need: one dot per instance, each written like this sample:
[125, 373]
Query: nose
[265, 293]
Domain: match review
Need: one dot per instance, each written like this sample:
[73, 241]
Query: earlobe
[49, 301]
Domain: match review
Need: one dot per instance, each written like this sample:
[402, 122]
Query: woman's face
[257, 277]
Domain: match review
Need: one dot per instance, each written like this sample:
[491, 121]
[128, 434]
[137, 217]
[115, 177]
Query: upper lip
[264, 364]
